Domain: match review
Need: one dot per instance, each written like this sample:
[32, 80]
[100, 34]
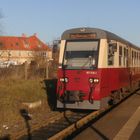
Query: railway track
[69, 124]
[55, 126]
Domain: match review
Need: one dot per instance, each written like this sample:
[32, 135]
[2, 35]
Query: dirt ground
[26, 104]
[32, 118]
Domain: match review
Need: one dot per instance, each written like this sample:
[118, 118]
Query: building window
[1, 44]
[17, 44]
[39, 45]
[26, 44]
[9, 54]
[19, 53]
[44, 54]
[29, 53]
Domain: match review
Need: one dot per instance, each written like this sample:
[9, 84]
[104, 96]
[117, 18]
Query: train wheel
[116, 96]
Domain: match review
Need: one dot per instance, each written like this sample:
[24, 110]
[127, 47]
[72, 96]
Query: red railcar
[96, 68]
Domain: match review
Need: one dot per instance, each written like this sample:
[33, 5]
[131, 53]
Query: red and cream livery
[96, 68]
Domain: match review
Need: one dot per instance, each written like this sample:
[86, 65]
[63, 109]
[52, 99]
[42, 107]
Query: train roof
[99, 34]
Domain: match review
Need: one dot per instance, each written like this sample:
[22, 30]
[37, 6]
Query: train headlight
[96, 80]
[93, 80]
[64, 80]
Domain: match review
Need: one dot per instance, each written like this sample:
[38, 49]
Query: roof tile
[22, 43]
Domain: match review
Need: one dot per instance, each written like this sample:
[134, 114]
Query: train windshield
[81, 55]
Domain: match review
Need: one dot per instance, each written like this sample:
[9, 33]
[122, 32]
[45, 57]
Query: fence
[32, 71]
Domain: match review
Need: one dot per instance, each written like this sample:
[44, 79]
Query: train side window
[110, 55]
[120, 55]
[139, 58]
[132, 58]
[126, 57]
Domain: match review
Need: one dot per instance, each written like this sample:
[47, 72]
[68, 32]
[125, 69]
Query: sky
[50, 18]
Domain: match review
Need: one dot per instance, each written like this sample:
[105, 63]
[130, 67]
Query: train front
[78, 76]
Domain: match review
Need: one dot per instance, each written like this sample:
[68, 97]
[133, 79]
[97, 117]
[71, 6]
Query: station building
[21, 49]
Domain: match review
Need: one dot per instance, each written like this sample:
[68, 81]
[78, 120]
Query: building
[21, 49]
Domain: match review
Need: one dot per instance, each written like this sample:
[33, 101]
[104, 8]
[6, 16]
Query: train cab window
[81, 55]
[120, 55]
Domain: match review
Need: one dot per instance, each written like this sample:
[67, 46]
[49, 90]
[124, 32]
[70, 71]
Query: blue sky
[49, 18]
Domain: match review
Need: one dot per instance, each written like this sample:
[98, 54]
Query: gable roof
[22, 43]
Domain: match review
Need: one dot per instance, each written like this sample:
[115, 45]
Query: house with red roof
[21, 49]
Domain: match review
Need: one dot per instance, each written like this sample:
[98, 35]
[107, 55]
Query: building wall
[21, 49]
[20, 56]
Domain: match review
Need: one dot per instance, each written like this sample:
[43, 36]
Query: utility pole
[47, 69]
[26, 70]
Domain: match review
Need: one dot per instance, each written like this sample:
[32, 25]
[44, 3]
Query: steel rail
[80, 123]
[69, 130]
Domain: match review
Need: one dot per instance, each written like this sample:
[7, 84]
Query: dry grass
[13, 93]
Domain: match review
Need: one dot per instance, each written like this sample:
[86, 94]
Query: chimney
[23, 35]
[35, 34]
